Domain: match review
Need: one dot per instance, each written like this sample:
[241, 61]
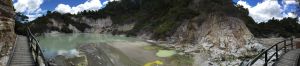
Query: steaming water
[66, 44]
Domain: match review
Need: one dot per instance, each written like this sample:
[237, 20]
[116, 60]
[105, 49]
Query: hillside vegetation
[287, 27]
[162, 17]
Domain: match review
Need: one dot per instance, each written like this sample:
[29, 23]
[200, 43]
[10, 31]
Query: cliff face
[56, 22]
[74, 24]
[7, 35]
[97, 25]
[218, 38]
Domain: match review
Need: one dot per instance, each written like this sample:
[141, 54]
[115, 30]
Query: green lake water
[95, 47]
[66, 44]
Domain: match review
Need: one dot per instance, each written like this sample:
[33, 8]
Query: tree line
[162, 16]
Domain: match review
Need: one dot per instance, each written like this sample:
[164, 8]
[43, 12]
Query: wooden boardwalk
[289, 59]
[22, 55]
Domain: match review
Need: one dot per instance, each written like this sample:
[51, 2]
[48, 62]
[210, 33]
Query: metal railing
[36, 50]
[265, 53]
[298, 60]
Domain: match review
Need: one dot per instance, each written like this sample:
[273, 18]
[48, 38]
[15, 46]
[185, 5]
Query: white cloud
[88, 5]
[106, 2]
[27, 5]
[32, 17]
[298, 20]
[287, 3]
[293, 15]
[290, 2]
[267, 9]
[62, 8]
[244, 4]
[30, 8]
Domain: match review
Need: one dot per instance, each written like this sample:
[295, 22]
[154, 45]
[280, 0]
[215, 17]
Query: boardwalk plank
[22, 55]
[288, 59]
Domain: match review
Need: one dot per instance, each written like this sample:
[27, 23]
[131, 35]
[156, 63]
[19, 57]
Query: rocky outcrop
[81, 24]
[71, 24]
[218, 38]
[7, 35]
[97, 25]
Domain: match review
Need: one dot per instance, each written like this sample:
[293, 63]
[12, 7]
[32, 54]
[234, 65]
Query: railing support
[276, 48]
[284, 47]
[292, 45]
[276, 54]
[266, 58]
[35, 48]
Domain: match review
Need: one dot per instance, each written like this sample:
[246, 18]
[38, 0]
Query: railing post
[292, 45]
[276, 46]
[266, 58]
[284, 46]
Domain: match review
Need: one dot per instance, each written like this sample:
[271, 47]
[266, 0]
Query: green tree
[21, 21]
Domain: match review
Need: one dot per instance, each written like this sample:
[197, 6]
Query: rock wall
[71, 24]
[7, 34]
[97, 25]
[100, 25]
[220, 39]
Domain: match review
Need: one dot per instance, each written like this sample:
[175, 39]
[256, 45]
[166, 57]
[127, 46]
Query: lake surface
[68, 46]
[87, 49]
[67, 43]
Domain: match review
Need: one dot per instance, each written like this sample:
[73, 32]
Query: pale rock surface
[7, 34]
[75, 30]
[98, 25]
[221, 40]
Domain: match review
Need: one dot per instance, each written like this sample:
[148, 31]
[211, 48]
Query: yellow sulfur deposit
[154, 63]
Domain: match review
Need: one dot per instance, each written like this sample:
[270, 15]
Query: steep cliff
[7, 35]
[67, 23]
[218, 38]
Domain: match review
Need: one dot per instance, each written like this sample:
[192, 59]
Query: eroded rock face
[87, 25]
[7, 34]
[224, 33]
[97, 25]
[77, 25]
[218, 38]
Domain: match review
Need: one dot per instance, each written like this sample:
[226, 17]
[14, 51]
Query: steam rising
[69, 53]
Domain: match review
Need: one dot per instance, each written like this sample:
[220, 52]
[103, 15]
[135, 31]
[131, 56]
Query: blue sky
[52, 4]
[260, 10]
[37, 8]
[290, 7]
[250, 2]
[263, 10]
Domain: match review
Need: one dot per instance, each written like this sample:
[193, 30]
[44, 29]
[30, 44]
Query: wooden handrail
[276, 54]
[35, 48]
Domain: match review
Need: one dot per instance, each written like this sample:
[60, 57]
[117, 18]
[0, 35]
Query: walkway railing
[36, 50]
[276, 53]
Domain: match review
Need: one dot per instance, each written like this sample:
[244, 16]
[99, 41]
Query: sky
[264, 10]
[37, 8]
[259, 10]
